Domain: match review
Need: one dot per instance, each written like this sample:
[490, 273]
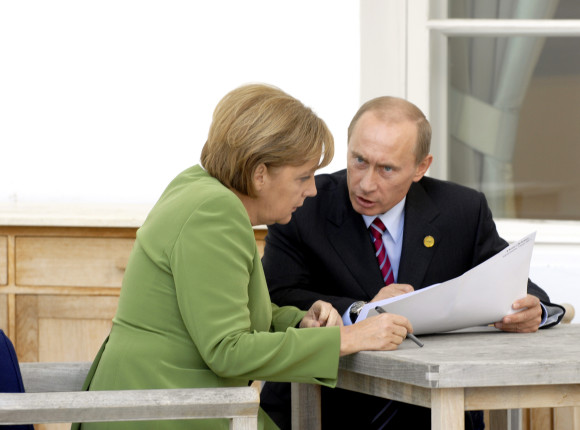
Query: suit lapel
[415, 256]
[347, 234]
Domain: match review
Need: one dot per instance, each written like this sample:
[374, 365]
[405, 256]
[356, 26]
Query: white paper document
[479, 297]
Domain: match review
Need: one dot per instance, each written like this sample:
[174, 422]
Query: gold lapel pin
[429, 241]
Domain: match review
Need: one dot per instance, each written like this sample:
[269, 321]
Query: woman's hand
[383, 332]
[321, 314]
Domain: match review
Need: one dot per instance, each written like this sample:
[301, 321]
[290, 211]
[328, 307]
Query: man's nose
[368, 181]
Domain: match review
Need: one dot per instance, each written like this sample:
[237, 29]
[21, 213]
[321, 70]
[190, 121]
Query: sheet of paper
[479, 297]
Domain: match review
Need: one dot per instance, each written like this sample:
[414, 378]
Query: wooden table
[462, 371]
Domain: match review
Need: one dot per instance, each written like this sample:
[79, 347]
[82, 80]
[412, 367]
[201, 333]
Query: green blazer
[195, 311]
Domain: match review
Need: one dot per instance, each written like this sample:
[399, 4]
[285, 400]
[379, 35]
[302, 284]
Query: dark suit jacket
[10, 377]
[326, 253]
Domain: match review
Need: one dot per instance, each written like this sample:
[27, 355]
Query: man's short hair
[394, 109]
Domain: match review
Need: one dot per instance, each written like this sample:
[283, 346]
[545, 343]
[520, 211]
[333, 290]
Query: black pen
[409, 335]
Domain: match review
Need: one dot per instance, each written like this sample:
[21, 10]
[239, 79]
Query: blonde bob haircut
[257, 124]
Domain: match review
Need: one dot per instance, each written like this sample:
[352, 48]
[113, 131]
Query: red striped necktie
[377, 228]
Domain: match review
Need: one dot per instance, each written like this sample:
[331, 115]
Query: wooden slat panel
[57, 231]
[71, 261]
[525, 419]
[66, 340]
[36, 315]
[77, 307]
[62, 328]
[541, 419]
[26, 340]
[567, 418]
[4, 313]
[3, 260]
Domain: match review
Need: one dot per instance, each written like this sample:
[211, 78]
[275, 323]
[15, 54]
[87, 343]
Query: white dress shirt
[394, 221]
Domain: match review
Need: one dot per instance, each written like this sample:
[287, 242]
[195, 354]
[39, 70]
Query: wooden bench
[53, 396]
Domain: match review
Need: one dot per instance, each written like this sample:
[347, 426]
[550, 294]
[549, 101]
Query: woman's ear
[259, 177]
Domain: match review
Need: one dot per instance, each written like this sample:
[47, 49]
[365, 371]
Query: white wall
[107, 101]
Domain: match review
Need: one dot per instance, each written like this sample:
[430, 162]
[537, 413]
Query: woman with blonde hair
[194, 309]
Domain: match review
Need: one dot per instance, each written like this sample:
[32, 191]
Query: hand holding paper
[481, 296]
[527, 319]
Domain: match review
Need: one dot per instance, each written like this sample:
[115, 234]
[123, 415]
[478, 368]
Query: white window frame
[440, 30]
[404, 54]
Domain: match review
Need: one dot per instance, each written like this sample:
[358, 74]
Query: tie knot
[377, 228]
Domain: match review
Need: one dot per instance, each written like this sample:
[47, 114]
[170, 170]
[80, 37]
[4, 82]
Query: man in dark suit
[435, 231]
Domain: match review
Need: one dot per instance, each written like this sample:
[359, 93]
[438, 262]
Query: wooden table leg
[306, 407]
[447, 409]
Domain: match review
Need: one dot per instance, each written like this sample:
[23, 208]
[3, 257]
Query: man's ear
[422, 168]
[259, 176]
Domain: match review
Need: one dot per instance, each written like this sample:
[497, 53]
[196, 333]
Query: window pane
[514, 123]
[514, 9]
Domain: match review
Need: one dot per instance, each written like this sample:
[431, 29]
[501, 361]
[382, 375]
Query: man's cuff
[544, 315]
[346, 316]
[551, 314]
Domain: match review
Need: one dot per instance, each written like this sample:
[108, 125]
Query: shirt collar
[392, 219]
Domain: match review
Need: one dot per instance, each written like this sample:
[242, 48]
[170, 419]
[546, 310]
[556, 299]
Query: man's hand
[392, 290]
[526, 321]
[321, 314]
